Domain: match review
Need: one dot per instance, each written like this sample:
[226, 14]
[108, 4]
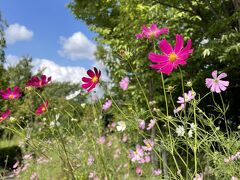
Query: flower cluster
[187, 97]
[16, 93]
[141, 154]
[232, 157]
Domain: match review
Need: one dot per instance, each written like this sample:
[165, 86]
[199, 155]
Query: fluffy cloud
[77, 47]
[59, 73]
[11, 60]
[17, 32]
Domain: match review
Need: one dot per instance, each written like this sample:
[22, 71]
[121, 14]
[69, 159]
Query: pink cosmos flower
[186, 97]
[136, 155]
[147, 159]
[107, 105]
[151, 124]
[216, 84]
[38, 82]
[124, 83]
[198, 177]
[141, 124]
[178, 109]
[139, 171]
[152, 32]
[42, 108]
[124, 138]
[9, 93]
[157, 172]
[4, 115]
[91, 82]
[148, 144]
[101, 140]
[232, 157]
[34, 176]
[90, 160]
[171, 57]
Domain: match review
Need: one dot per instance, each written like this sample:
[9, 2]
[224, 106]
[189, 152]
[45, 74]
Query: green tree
[117, 21]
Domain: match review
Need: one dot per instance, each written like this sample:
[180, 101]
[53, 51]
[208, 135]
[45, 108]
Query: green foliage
[117, 22]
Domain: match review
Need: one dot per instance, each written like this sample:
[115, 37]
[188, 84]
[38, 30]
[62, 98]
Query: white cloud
[59, 73]
[17, 32]
[77, 47]
[11, 60]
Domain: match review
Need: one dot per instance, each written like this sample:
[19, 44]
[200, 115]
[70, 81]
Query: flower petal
[214, 74]
[90, 73]
[165, 47]
[167, 69]
[157, 57]
[222, 75]
[179, 43]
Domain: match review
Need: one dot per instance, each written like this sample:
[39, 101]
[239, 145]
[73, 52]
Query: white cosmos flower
[190, 133]
[121, 126]
[180, 131]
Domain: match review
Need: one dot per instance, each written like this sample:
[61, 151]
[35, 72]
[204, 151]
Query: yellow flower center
[94, 79]
[11, 96]
[172, 57]
[149, 145]
[216, 81]
[40, 83]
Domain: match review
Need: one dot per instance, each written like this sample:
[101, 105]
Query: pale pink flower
[101, 140]
[25, 167]
[141, 124]
[136, 155]
[187, 97]
[147, 159]
[124, 83]
[151, 124]
[16, 165]
[107, 105]
[198, 177]
[109, 143]
[28, 156]
[233, 157]
[234, 178]
[152, 32]
[178, 109]
[92, 175]
[216, 84]
[157, 172]
[34, 176]
[148, 145]
[124, 138]
[139, 170]
[90, 160]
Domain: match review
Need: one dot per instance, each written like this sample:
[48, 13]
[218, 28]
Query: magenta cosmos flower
[42, 108]
[152, 32]
[216, 84]
[4, 115]
[91, 82]
[124, 83]
[107, 105]
[38, 82]
[171, 57]
[9, 93]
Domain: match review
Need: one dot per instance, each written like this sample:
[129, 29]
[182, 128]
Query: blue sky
[49, 31]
